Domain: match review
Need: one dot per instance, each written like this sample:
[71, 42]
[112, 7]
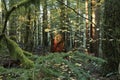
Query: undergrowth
[54, 66]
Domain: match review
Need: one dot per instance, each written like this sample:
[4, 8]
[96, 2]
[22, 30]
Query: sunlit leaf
[47, 30]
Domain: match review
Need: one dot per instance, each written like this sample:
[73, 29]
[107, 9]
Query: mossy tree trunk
[15, 51]
[111, 43]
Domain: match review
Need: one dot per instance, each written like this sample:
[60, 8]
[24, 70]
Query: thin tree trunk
[69, 34]
[93, 35]
[45, 23]
[62, 21]
[87, 26]
[98, 35]
[29, 42]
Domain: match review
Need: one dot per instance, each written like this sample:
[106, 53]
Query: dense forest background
[89, 32]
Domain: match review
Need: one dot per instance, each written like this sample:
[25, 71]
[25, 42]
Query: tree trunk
[45, 23]
[93, 45]
[29, 42]
[111, 43]
[98, 42]
[69, 34]
[62, 20]
[87, 26]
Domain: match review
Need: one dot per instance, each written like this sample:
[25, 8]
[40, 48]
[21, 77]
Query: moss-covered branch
[17, 53]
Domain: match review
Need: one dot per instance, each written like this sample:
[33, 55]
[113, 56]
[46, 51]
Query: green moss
[17, 53]
[26, 53]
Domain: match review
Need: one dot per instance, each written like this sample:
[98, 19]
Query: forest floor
[95, 72]
[98, 76]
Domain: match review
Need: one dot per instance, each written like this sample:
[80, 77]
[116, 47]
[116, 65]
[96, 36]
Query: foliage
[54, 66]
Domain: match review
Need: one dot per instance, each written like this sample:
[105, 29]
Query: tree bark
[87, 26]
[63, 20]
[111, 43]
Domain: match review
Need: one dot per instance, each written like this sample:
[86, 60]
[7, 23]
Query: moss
[17, 53]
[26, 53]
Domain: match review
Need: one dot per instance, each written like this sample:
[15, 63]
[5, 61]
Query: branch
[22, 3]
[5, 5]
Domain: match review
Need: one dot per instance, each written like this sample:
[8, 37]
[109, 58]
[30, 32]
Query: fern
[62, 66]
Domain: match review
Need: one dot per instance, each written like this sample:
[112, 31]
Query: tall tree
[69, 34]
[93, 33]
[111, 43]
[29, 42]
[86, 25]
[76, 42]
[63, 19]
[45, 23]
[98, 15]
